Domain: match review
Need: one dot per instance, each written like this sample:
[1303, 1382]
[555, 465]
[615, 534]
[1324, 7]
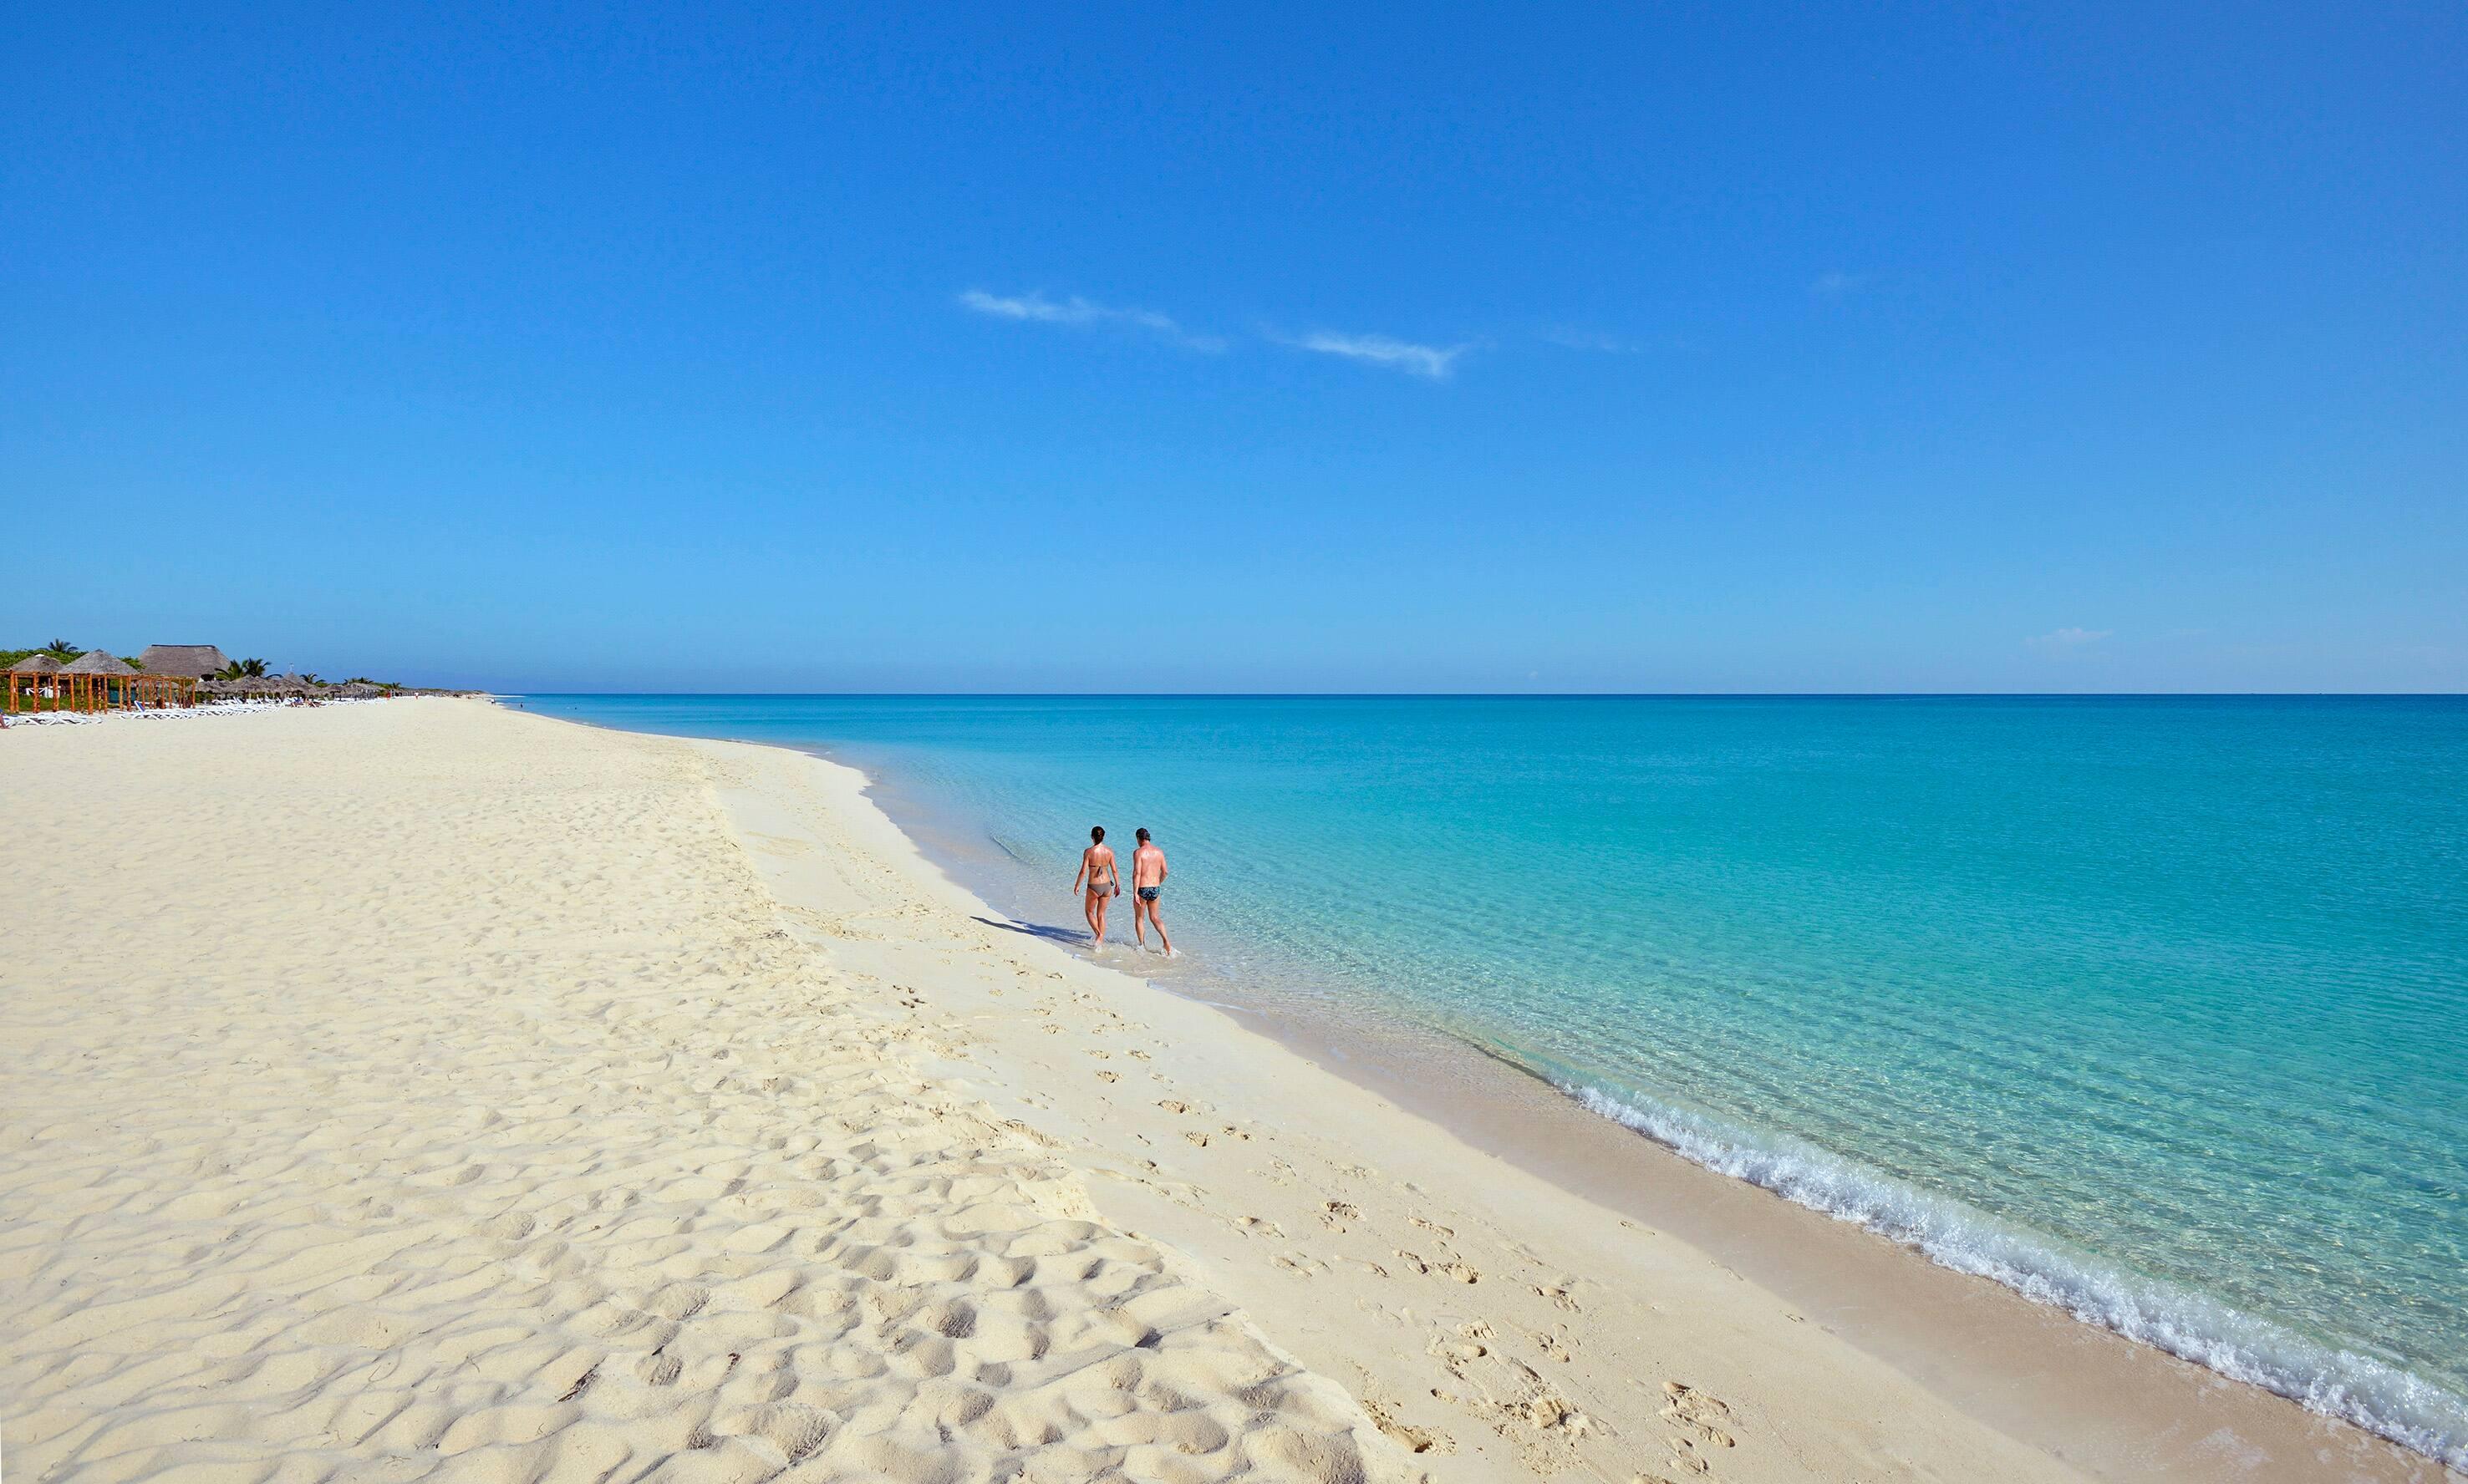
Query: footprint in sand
[1701, 1414]
[1446, 1269]
[1546, 1410]
[1415, 1440]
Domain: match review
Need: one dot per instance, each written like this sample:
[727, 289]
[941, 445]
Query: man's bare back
[1147, 883]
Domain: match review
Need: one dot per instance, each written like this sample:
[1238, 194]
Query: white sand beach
[429, 1090]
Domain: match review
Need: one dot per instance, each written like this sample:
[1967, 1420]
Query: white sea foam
[2358, 1388]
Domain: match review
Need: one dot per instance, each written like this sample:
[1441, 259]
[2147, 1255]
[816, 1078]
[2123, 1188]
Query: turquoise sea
[2155, 1009]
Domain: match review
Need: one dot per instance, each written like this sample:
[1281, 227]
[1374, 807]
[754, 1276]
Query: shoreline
[585, 1095]
[2117, 1404]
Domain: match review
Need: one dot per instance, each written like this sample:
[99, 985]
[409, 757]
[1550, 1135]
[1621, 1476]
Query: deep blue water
[2153, 1008]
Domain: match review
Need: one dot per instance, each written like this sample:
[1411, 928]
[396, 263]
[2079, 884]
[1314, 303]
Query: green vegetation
[239, 668]
[59, 650]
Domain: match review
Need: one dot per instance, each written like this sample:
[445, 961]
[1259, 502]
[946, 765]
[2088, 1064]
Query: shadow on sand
[1077, 937]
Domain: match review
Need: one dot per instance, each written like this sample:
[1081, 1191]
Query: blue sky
[1522, 348]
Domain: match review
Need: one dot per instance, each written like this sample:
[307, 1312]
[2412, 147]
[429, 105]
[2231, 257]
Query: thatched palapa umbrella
[98, 662]
[187, 661]
[31, 679]
[86, 683]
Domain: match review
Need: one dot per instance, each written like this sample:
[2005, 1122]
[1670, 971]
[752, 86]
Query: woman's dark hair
[1143, 834]
[1097, 832]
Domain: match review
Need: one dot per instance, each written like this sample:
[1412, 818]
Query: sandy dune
[429, 1090]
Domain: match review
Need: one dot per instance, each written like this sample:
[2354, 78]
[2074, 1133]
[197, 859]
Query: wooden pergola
[92, 689]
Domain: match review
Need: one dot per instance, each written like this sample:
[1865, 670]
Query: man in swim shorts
[1105, 884]
[1148, 882]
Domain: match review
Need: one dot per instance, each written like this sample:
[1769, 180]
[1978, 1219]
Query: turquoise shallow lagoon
[2155, 1009]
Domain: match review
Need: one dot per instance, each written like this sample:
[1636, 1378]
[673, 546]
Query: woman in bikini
[1105, 884]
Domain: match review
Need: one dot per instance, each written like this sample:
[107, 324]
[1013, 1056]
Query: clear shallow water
[2153, 1008]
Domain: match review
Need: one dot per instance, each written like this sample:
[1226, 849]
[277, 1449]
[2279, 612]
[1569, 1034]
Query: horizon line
[1516, 695]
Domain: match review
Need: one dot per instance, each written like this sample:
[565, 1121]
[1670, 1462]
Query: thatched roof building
[36, 665]
[98, 662]
[195, 661]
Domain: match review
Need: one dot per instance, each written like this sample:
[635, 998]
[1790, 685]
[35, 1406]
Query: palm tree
[61, 649]
[241, 667]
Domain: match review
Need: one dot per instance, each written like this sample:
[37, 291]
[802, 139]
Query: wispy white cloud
[1430, 361]
[1569, 339]
[2068, 641]
[1836, 284]
[1081, 312]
